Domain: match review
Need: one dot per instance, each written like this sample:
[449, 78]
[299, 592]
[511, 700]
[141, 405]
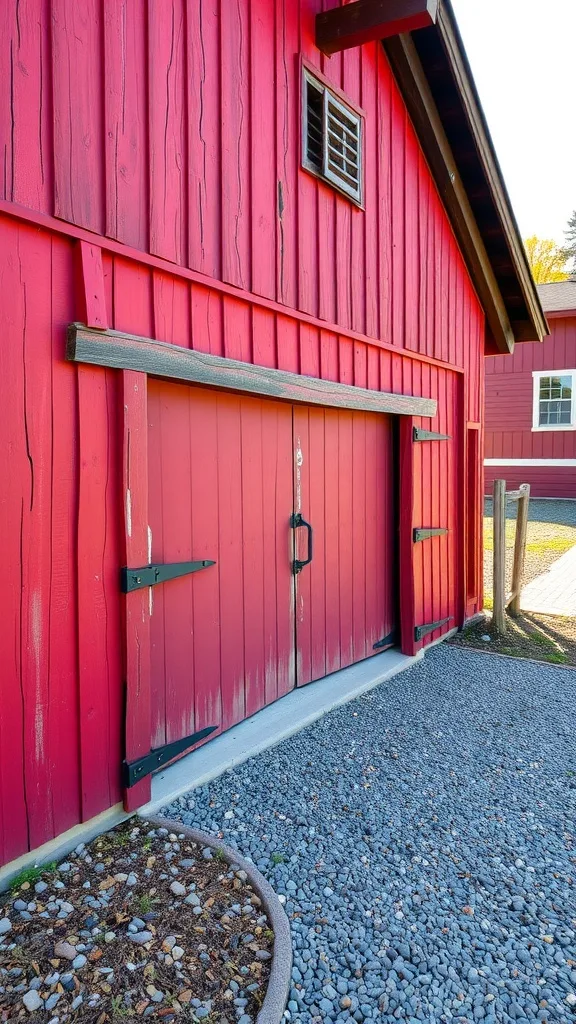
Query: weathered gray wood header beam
[129, 352]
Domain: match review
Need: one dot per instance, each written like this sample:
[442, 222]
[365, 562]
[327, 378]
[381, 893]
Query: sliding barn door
[220, 490]
[344, 493]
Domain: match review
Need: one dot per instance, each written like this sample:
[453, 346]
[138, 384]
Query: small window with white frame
[332, 137]
[554, 400]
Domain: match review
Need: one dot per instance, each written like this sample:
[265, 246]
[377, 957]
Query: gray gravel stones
[5, 926]
[423, 841]
[32, 1001]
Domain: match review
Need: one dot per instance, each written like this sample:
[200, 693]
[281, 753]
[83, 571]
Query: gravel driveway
[551, 532]
[423, 837]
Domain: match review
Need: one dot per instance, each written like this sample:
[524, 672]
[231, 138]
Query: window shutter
[331, 138]
[315, 119]
[342, 158]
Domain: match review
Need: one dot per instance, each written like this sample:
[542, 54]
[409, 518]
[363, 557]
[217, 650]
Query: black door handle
[296, 520]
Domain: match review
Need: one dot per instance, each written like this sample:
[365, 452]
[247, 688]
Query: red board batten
[263, 184]
[204, 142]
[64, 738]
[24, 130]
[234, 47]
[352, 86]
[171, 299]
[372, 129]
[14, 511]
[99, 654]
[206, 321]
[125, 113]
[252, 426]
[231, 569]
[168, 112]
[137, 603]
[287, 155]
[93, 306]
[76, 35]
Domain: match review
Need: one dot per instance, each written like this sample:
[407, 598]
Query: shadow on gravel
[562, 513]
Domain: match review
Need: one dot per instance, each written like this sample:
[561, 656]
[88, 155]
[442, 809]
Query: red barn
[531, 405]
[252, 257]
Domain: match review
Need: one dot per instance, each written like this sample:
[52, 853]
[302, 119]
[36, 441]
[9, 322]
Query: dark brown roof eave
[434, 75]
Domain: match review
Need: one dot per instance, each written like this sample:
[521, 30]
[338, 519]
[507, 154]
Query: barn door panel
[344, 487]
[220, 489]
[435, 525]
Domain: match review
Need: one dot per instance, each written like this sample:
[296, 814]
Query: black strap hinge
[419, 434]
[424, 534]
[133, 771]
[387, 641]
[150, 575]
[429, 627]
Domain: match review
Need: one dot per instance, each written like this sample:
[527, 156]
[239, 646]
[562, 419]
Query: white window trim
[536, 378]
[546, 463]
[326, 175]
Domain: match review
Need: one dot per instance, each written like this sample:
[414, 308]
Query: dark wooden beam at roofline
[423, 112]
[363, 21]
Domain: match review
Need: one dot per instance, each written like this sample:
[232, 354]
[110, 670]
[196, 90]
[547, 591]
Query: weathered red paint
[164, 197]
[509, 415]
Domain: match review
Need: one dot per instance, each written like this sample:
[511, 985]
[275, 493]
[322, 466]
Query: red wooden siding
[509, 412]
[345, 487]
[222, 638]
[215, 183]
[178, 143]
[545, 481]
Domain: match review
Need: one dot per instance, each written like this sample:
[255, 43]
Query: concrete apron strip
[273, 724]
[265, 729]
[59, 848]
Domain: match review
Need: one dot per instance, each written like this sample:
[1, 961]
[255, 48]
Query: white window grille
[554, 402]
[332, 138]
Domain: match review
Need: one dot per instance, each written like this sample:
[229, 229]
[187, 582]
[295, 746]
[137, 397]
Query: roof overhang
[434, 76]
[560, 314]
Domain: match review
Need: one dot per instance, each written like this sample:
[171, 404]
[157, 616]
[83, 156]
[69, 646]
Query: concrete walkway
[554, 591]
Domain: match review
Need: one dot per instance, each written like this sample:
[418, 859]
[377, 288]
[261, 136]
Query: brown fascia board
[423, 112]
[448, 31]
[468, 175]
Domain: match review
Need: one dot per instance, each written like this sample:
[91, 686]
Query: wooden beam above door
[367, 20]
[130, 352]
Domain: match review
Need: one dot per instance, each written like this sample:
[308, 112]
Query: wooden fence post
[499, 570]
[519, 549]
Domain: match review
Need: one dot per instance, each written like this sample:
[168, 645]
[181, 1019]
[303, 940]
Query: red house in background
[531, 405]
[252, 256]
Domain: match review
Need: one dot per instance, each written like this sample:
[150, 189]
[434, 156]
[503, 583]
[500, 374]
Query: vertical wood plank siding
[194, 154]
[181, 138]
[509, 411]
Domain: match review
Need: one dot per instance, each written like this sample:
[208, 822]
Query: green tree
[569, 249]
[547, 260]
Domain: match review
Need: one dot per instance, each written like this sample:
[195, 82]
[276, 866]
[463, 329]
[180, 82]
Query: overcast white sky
[523, 57]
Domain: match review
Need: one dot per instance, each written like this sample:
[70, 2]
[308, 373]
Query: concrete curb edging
[272, 1009]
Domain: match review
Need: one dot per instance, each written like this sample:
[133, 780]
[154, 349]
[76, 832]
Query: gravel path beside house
[423, 838]
[551, 532]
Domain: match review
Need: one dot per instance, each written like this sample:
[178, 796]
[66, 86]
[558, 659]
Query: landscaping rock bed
[143, 923]
[423, 838]
[550, 638]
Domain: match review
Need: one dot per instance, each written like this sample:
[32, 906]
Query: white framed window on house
[332, 137]
[554, 405]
